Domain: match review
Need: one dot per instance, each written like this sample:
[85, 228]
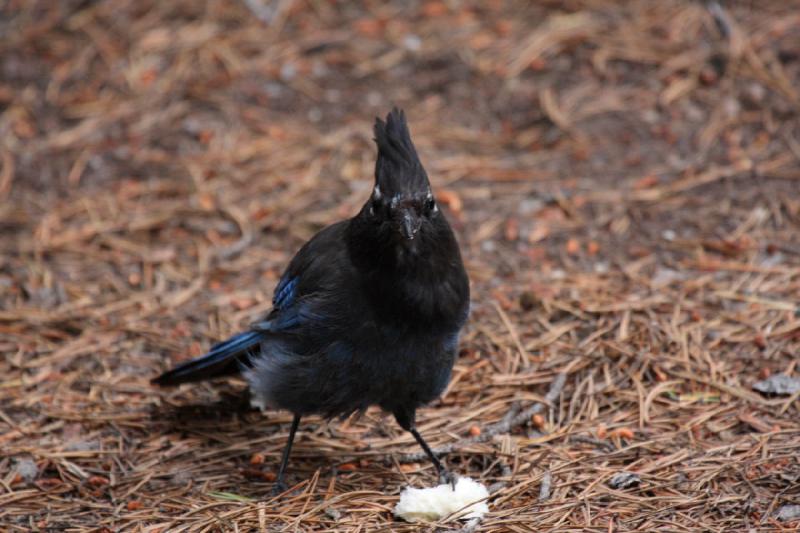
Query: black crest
[398, 167]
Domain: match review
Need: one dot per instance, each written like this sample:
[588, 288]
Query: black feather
[364, 314]
[397, 167]
[394, 139]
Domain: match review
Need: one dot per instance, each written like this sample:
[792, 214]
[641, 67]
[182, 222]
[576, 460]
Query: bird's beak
[409, 224]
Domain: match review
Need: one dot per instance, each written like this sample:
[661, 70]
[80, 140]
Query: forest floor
[624, 179]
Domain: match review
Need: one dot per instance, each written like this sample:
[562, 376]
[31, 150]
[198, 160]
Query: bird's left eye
[430, 204]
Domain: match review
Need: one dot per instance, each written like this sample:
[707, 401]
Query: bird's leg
[405, 417]
[444, 475]
[280, 486]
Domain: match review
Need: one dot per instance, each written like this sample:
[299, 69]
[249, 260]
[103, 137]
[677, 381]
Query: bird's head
[402, 201]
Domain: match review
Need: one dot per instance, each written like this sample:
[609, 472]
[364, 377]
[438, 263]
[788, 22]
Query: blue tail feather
[223, 359]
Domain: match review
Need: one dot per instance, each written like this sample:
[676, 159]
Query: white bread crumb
[437, 502]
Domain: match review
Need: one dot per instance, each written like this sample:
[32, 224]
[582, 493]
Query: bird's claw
[279, 488]
[447, 477]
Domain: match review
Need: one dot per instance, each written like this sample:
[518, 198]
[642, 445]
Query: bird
[368, 312]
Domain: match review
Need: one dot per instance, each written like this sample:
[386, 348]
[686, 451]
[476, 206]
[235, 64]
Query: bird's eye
[375, 206]
[430, 204]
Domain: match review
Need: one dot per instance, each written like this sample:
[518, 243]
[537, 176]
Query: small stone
[412, 42]
[624, 480]
[288, 71]
[755, 92]
[80, 446]
[731, 107]
[650, 116]
[315, 114]
[779, 384]
[181, 477]
[530, 206]
[26, 468]
[788, 513]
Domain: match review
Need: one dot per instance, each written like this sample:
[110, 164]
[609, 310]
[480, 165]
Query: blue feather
[285, 292]
[222, 359]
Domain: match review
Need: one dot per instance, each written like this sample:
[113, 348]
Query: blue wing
[223, 359]
[300, 305]
[287, 312]
[227, 357]
[285, 292]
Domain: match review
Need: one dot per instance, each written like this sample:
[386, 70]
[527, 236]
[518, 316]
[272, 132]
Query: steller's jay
[367, 313]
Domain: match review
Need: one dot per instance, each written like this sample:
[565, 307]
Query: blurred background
[624, 178]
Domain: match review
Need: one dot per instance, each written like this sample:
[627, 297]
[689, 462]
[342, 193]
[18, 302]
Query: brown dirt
[625, 182]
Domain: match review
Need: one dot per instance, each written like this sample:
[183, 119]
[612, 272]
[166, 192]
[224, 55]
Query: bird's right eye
[375, 206]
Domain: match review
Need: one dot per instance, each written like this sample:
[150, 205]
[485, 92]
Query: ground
[624, 179]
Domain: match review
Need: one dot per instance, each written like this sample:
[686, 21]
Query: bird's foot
[447, 477]
[279, 488]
